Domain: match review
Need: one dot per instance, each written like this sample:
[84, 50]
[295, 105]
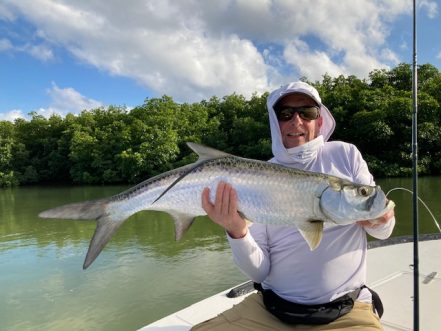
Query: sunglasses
[308, 113]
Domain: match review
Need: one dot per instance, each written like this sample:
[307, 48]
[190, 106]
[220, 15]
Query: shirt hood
[281, 154]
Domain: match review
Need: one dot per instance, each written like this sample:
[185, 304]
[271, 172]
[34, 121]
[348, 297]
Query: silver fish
[267, 193]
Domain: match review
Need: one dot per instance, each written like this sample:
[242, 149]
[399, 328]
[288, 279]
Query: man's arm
[247, 253]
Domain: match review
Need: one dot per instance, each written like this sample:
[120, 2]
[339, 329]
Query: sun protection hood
[279, 151]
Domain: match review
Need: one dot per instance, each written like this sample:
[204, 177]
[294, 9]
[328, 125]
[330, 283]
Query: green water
[141, 275]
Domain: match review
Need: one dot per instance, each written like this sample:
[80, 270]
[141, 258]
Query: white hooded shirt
[280, 259]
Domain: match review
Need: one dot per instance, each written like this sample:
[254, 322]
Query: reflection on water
[141, 275]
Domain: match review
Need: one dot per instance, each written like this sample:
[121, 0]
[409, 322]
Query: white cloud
[194, 49]
[11, 115]
[40, 52]
[404, 45]
[5, 45]
[67, 100]
[310, 63]
[6, 13]
[390, 56]
[62, 101]
[431, 7]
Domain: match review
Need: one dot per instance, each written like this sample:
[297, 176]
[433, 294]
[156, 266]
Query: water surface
[141, 275]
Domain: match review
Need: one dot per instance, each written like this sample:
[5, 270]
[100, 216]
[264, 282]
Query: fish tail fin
[105, 228]
[312, 232]
[97, 209]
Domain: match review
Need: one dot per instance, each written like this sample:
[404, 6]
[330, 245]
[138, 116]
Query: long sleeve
[252, 258]
[383, 231]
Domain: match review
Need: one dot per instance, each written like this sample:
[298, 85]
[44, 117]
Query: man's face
[298, 131]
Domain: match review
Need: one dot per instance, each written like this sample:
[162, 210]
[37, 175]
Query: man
[277, 257]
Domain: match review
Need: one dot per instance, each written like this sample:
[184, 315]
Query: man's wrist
[238, 235]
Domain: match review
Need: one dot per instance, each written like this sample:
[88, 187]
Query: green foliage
[376, 116]
[117, 145]
[9, 148]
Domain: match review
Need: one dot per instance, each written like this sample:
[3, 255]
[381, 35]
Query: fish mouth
[371, 200]
[390, 204]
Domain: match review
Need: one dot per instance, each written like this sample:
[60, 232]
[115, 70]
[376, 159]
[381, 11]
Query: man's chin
[291, 142]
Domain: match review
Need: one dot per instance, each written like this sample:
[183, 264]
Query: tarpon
[267, 193]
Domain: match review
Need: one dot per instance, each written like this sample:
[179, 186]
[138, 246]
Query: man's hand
[378, 221]
[224, 210]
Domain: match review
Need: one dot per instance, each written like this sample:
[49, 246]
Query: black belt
[295, 313]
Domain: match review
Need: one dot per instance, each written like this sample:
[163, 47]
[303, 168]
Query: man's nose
[296, 118]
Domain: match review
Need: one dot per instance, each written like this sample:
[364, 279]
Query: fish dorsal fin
[206, 153]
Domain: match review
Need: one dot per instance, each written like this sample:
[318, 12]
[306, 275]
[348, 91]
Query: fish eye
[363, 191]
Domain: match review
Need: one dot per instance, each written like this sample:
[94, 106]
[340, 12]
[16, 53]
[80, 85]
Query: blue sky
[65, 56]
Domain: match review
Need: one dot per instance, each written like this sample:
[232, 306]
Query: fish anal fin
[182, 224]
[312, 232]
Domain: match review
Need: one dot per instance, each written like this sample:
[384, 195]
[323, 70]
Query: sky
[60, 56]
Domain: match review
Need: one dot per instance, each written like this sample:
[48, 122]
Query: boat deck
[390, 273]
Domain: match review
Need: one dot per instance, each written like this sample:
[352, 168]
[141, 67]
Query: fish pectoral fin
[182, 223]
[312, 232]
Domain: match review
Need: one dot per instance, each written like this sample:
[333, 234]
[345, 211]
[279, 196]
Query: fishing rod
[416, 314]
